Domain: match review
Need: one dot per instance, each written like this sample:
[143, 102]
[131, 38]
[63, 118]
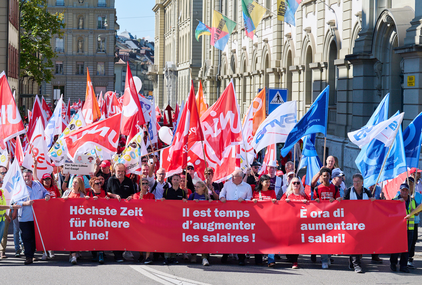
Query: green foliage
[37, 27]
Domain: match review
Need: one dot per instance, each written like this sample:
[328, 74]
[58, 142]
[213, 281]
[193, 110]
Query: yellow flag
[281, 9]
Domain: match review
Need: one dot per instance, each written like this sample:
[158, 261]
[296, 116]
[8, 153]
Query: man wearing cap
[103, 169]
[236, 190]
[337, 177]
[26, 219]
[275, 182]
[357, 192]
[289, 167]
[416, 196]
[252, 175]
[191, 171]
[410, 205]
[290, 176]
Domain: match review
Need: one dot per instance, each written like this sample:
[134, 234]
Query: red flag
[176, 114]
[103, 106]
[222, 129]
[270, 155]
[37, 113]
[200, 101]
[391, 188]
[11, 122]
[11, 145]
[167, 116]
[158, 114]
[19, 154]
[90, 109]
[112, 104]
[132, 115]
[188, 132]
[103, 134]
[46, 109]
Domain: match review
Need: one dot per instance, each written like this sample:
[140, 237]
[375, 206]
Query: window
[79, 68]
[102, 22]
[59, 45]
[101, 3]
[100, 68]
[101, 44]
[80, 45]
[59, 2]
[80, 23]
[59, 67]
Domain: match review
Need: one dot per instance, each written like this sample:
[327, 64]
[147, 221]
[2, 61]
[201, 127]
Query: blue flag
[381, 112]
[310, 160]
[314, 121]
[371, 158]
[412, 137]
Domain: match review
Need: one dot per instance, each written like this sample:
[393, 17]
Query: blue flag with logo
[381, 112]
[310, 160]
[412, 137]
[314, 121]
[371, 159]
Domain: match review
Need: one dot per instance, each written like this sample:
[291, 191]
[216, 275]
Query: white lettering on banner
[223, 120]
[102, 132]
[8, 116]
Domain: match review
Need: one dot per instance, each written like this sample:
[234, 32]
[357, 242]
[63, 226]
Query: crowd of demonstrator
[112, 182]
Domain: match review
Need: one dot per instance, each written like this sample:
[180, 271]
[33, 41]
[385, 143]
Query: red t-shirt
[326, 192]
[53, 191]
[91, 193]
[294, 197]
[74, 195]
[146, 196]
[266, 195]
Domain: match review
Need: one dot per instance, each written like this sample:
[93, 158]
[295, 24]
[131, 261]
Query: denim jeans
[17, 238]
[2, 225]
[325, 258]
[271, 258]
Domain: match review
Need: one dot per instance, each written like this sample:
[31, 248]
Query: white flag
[131, 156]
[13, 184]
[385, 132]
[38, 150]
[58, 152]
[276, 126]
[54, 125]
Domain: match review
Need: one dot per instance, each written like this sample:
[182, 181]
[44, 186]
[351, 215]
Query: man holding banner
[25, 198]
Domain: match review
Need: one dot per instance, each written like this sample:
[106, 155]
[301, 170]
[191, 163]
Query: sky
[137, 17]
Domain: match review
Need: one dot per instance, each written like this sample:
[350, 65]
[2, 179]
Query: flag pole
[38, 227]
[203, 150]
[294, 158]
[150, 142]
[382, 168]
[325, 143]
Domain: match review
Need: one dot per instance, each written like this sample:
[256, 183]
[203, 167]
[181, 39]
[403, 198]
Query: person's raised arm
[34, 174]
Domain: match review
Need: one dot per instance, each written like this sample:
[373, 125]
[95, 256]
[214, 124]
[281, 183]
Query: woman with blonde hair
[76, 191]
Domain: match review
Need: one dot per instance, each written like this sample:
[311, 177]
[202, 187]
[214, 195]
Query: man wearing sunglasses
[252, 175]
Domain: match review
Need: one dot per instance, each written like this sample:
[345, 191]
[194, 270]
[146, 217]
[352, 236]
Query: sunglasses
[145, 183]
[296, 183]
[190, 168]
[97, 183]
[208, 173]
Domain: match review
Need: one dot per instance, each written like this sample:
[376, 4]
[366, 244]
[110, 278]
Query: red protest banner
[346, 227]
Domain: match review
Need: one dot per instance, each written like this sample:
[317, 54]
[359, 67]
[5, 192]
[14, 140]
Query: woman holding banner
[263, 193]
[77, 191]
[144, 194]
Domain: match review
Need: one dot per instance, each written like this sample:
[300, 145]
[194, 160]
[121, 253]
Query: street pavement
[60, 271]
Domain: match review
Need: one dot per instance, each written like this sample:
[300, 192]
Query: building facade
[88, 43]
[178, 55]
[362, 49]
[9, 43]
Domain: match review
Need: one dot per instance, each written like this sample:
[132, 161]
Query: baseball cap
[272, 163]
[404, 186]
[105, 163]
[46, 175]
[336, 173]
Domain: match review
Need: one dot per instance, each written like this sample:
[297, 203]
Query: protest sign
[79, 168]
[231, 227]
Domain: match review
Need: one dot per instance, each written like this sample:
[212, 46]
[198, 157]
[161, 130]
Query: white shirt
[159, 190]
[232, 191]
[418, 186]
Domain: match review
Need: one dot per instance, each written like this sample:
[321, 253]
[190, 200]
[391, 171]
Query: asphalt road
[60, 271]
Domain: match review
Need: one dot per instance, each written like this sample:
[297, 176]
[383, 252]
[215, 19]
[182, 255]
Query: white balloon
[138, 83]
[165, 134]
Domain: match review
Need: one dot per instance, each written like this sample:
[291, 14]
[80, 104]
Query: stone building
[9, 43]
[178, 55]
[362, 49]
[88, 42]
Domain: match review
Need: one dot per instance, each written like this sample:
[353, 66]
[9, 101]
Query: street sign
[276, 97]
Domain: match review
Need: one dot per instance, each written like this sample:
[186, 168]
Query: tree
[37, 26]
